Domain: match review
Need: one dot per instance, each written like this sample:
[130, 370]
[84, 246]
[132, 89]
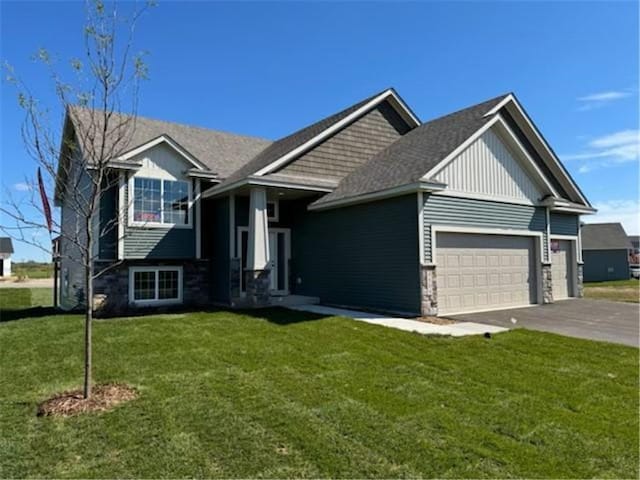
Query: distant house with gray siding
[605, 252]
[369, 208]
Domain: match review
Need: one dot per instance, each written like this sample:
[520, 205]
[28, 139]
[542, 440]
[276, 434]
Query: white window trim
[131, 193]
[276, 210]
[156, 300]
[539, 252]
[169, 141]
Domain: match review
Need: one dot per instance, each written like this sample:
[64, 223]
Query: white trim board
[156, 301]
[198, 218]
[511, 99]
[265, 182]
[505, 130]
[381, 194]
[122, 213]
[169, 141]
[388, 94]
[159, 225]
[421, 227]
[539, 252]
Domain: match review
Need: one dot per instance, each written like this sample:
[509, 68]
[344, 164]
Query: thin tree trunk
[87, 328]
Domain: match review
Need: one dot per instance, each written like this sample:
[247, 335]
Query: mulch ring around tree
[103, 398]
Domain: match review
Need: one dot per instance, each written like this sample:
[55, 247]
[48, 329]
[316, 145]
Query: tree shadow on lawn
[281, 316]
[10, 315]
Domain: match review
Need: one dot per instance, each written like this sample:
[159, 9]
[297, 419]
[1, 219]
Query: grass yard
[617, 290]
[32, 270]
[277, 393]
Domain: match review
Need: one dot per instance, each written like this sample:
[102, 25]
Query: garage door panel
[561, 272]
[484, 271]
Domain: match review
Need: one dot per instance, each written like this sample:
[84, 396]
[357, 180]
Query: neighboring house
[634, 251]
[369, 208]
[605, 252]
[6, 249]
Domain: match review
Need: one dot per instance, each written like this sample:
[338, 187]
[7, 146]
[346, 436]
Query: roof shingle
[410, 157]
[6, 246]
[604, 236]
[221, 152]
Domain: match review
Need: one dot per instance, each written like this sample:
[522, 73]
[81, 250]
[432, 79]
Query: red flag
[45, 201]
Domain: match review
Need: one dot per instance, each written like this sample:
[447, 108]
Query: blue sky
[267, 69]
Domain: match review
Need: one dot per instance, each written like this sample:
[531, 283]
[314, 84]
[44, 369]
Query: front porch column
[257, 270]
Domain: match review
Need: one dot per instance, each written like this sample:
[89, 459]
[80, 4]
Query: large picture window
[160, 202]
[155, 285]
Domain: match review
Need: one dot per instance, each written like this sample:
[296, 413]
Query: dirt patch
[436, 320]
[103, 398]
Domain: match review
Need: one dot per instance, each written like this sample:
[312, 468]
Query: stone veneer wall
[429, 290]
[580, 280]
[111, 289]
[258, 284]
[547, 283]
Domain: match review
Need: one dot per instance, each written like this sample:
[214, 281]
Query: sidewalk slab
[455, 329]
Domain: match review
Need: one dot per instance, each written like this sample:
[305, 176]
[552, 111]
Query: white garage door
[482, 272]
[561, 255]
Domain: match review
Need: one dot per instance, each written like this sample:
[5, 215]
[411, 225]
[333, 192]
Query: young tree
[78, 157]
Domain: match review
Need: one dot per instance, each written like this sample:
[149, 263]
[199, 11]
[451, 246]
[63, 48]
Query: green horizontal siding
[362, 256]
[159, 242]
[466, 212]
[603, 265]
[564, 224]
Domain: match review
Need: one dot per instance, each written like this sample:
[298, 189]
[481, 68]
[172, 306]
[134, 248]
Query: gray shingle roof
[221, 152]
[604, 236]
[411, 156]
[6, 246]
[286, 144]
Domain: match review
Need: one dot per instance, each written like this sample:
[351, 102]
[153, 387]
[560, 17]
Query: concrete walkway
[455, 329]
[31, 283]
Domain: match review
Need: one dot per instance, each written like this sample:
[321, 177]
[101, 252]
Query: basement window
[155, 285]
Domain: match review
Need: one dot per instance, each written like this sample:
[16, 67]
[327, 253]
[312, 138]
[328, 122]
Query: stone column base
[258, 285]
[429, 290]
[580, 280]
[547, 284]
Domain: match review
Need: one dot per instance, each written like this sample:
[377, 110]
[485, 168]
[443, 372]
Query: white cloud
[22, 187]
[600, 99]
[604, 96]
[609, 150]
[626, 212]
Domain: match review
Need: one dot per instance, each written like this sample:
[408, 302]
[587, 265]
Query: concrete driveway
[602, 320]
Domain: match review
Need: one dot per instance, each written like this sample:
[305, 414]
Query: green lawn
[32, 269]
[617, 290]
[277, 393]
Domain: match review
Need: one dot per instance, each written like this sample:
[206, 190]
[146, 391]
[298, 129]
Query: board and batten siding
[362, 256]
[466, 212]
[490, 167]
[564, 223]
[351, 147]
